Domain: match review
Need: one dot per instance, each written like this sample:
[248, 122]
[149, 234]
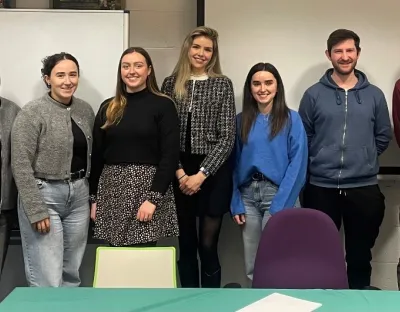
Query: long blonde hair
[182, 70]
[116, 107]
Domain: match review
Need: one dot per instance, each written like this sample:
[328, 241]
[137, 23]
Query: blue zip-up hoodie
[347, 130]
[283, 160]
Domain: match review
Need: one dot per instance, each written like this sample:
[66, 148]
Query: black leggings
[208, 207]
[205, 242]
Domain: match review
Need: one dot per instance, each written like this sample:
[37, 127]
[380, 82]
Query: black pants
[205, 242]
[362, 210]
[8, 219]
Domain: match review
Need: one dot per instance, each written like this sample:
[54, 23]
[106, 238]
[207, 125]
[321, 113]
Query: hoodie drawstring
[338, 100]
[358, 97]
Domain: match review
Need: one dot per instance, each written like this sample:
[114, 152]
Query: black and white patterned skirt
[122, 190]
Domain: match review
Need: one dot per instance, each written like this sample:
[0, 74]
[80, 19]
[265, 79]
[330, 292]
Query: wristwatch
[205, 171]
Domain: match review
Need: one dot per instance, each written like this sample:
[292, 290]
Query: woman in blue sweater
[270, 157]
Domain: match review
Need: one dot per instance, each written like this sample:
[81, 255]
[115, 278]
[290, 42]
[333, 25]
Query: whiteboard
[292, 35]
[96, 38]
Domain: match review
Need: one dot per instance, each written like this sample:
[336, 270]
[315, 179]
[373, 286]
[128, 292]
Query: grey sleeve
[24, 139]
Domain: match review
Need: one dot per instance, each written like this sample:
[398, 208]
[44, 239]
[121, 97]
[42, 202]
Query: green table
[186, 300]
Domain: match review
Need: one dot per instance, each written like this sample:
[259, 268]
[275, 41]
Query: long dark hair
[280, 111]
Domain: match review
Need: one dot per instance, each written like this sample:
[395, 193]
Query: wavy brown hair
[116, 107]
[279, 112]
[183, 68]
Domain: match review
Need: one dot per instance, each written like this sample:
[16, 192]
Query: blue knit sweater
[283, 160]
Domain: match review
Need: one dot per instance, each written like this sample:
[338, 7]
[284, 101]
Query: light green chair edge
[98, 249]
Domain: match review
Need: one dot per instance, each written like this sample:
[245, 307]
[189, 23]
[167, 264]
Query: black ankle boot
[212, 280]
[189, 274]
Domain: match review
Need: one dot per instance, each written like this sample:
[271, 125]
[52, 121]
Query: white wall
[289, 35]
[387, 247]
[160, 26]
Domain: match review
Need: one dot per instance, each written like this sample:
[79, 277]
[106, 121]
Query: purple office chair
[300, 248]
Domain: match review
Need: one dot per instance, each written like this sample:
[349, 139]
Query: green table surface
[190, 300]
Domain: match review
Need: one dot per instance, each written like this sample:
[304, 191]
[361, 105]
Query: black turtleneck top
[148, 134]
[79, 155]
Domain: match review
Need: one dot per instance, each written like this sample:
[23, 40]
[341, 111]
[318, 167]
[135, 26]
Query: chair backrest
[300, 249]
[131, 267]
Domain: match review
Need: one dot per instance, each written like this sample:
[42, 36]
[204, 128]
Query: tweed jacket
[213, 123]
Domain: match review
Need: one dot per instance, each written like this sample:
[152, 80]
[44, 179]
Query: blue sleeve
[306, 113]
[295, 175]
[237, 206]
[383, 127]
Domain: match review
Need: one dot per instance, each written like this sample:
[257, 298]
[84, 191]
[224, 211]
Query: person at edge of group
[51, 151]
[396, 126]
[135, 155]
[348, 126]
[203, 184]
[396, 111]
[271, 157]
[8, 200]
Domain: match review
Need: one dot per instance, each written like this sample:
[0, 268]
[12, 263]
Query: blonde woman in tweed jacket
[203, 187]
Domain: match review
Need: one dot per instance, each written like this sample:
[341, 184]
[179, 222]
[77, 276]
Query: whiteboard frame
[126, 16]
[123, 17]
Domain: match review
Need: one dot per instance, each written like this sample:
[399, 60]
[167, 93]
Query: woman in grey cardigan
[50, 158]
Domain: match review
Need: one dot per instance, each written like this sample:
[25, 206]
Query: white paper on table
[281, 303]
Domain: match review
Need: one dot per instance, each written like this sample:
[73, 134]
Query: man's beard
[344, 72]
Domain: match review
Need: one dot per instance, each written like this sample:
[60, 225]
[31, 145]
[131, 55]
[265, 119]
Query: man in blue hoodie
[347, 123]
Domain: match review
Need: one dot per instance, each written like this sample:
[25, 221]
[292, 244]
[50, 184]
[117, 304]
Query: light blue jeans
[54, 259]
[257, 197]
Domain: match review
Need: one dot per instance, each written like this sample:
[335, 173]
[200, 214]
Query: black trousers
[362, 210]
[8, 219]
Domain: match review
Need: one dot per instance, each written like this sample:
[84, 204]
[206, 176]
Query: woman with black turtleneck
[135, 155]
